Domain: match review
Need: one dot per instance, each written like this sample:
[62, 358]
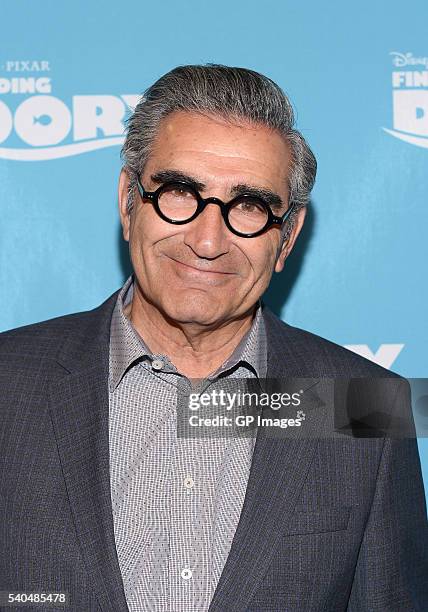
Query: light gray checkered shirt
[176, 501]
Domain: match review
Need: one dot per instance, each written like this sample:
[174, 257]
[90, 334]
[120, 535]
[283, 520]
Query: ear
[123, 203]
[289, 243]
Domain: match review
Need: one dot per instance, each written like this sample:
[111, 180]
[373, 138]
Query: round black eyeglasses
[246, 215]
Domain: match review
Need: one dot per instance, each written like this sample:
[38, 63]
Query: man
[101, 499]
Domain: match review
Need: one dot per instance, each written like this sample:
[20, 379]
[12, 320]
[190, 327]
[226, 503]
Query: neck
[195, 350]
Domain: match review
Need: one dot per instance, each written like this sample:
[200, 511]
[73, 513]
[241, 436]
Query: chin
[191, 313]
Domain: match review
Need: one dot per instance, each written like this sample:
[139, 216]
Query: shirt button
[188, 482]
[186, 573]
[157, 364]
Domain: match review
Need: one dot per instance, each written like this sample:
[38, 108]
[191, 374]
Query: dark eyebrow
[267, 195]
[271, 198]
[165, 176]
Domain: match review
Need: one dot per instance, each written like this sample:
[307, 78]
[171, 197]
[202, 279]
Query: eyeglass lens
[178, 203]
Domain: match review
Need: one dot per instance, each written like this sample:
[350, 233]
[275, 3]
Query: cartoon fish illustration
[42, 119]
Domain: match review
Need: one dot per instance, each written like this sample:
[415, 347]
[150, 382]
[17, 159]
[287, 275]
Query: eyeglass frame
[225, 207]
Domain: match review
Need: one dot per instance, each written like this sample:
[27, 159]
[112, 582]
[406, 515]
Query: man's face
[200, 272]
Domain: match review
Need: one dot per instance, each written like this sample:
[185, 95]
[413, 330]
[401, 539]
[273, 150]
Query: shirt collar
[127, 347]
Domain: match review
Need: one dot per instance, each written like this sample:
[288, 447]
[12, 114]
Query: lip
[200, 270]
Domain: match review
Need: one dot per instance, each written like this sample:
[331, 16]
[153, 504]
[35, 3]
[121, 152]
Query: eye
[178, 192]
[177, 201]
[246, 206]
[181, 192]
[250, 207]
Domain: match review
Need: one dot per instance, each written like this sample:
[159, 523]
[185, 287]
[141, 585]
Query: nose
[207, 235]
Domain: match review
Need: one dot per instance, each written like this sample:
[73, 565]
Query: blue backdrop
[358, 76]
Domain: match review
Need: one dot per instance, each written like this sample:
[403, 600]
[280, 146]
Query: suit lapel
[79, 409]
[278, 471]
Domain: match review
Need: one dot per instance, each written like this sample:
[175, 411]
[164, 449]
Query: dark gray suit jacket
[327, 525]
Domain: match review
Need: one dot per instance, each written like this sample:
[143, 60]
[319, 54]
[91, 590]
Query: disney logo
[407, 59]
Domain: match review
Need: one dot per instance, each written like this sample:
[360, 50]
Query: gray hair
[235, 94]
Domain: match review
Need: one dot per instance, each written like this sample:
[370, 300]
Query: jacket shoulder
[322, 357]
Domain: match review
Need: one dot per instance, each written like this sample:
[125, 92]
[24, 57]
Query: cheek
[262, 258]
[139, 246]
[144, 232]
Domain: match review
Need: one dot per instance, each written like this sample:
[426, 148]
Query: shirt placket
[193, 465]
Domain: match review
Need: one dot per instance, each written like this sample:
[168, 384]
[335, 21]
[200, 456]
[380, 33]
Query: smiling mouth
[201, 270]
